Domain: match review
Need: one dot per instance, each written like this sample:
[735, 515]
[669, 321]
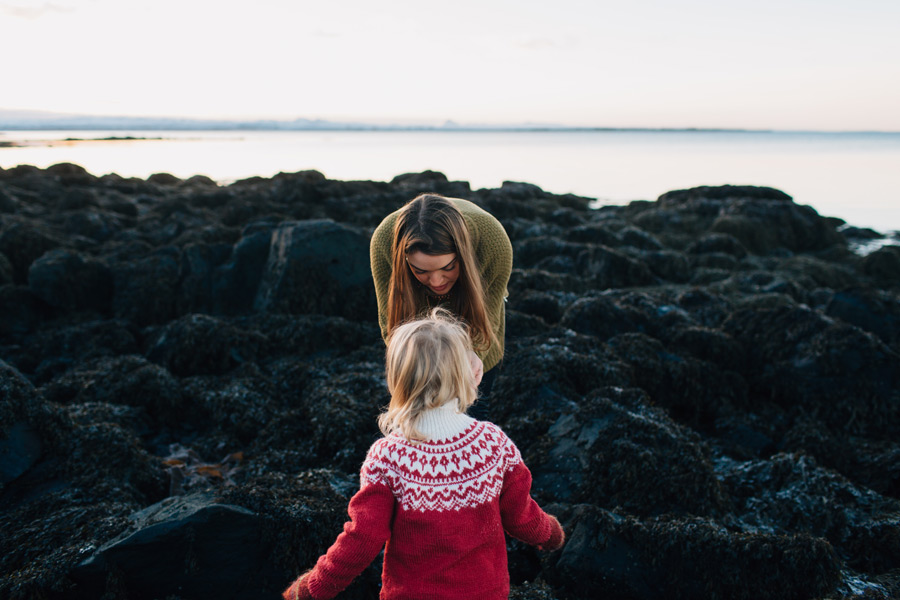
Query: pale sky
[761, 64]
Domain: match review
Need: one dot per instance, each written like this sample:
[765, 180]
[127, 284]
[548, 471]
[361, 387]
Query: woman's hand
[477, 367]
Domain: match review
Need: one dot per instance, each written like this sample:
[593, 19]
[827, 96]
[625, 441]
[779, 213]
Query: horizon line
[31, 120]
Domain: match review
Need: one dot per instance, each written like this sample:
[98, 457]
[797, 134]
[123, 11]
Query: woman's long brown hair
[433, 225]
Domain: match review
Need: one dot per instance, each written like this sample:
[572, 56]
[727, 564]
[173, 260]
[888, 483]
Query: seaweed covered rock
[317, 255]
[806, 361]
[65, 280]
[761, 219]
[198, 344]
[617, 451]
[704, 385]
[667, 558]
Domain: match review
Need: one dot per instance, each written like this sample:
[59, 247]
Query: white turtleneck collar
[443, 422]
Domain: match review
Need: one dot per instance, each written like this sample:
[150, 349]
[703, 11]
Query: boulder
[23, 243]
[235, 282]
[883, 266]
[622, 557]
[66, 280]
[144, 290]
[318, 267]
[198, 344]
[616, 450]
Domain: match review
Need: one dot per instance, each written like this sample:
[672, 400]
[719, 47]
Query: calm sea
[854, 176]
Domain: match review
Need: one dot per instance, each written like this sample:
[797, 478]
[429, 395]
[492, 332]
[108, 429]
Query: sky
[762, 64]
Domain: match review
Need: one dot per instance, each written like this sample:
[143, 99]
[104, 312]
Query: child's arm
[369, 527]
[522, 517]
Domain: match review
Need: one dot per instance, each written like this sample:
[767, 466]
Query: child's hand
[557, 537]
[299, 590]
[477, 367]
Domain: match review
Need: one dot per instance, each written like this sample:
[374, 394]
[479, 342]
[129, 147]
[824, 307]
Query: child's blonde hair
[427, 365]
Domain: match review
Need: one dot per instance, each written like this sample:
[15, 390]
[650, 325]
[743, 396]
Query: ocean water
[854, 176]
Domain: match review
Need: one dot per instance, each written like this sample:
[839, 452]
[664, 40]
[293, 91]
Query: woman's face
[436, 272]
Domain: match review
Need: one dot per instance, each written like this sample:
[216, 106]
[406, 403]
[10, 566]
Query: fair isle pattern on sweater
[462, 472]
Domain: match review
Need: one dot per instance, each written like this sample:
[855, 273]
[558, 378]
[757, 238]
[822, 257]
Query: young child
[439, 489]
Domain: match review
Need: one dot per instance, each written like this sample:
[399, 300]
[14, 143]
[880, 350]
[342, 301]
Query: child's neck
[444, 422]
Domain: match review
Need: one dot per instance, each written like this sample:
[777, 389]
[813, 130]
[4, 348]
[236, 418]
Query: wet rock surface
[705, 387]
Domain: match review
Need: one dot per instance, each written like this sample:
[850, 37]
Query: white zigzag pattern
[466, 471]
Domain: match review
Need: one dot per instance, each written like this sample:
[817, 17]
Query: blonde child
[439, 489]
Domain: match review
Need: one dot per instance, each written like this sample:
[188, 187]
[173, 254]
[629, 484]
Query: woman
[438, 251]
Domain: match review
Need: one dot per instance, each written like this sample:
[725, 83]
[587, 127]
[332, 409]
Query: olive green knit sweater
[493, 251]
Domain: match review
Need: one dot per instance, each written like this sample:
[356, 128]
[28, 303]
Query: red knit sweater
[442, 508]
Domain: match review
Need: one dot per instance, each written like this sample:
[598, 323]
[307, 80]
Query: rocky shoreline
[706, 387]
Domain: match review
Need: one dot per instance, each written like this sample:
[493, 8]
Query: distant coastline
[16, 120]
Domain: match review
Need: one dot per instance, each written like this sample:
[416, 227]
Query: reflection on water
[854, 176]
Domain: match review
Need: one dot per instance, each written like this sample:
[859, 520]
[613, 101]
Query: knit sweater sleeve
[380, 262]
[495, 256]
[522, 518]
[496, 278]
[371, 512]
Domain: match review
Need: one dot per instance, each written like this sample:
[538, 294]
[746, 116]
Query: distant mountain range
[29, 120]
[21, 120]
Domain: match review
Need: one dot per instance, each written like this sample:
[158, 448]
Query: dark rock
[875, 311]
[6, 270]
[431, 182]
[541, 304]
[317, 255]
[637, 238]
[77, 199]
[202, 345]
[620, 452]
[164, 179]
[530, 252]
[668, 264]
[821, 273]
[719, 243]
[762, 220]
[700, 197]
[121, 380]
[199, 181]
[20, 310]
[791, 493]
[883, 266]
[199, 265]
[804, 360]
[689, 388]
[235, 283]
[715, 261]
[20, 448]
[518, 190]
[602, 317]
[595, 233]
[69, 174]
[607, 268]
[98, 226]
[666, 558]
[23, 244]
[182, 545]
[48, 352]
[144, 291]
[716, 373]
[8, 202]
[860, 233]
[65, 280]
[27, 423]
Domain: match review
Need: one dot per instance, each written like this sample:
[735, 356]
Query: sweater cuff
[299, 590]
[557, 536]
